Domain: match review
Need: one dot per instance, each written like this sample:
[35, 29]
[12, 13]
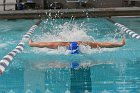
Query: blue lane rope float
[4, 63]
[125, 29]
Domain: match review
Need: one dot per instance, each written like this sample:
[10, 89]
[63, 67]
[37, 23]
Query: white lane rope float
[128, 31]
[125, 29]
[4, 63]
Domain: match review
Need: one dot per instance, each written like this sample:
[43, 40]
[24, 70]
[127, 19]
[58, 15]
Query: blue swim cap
[74, 47]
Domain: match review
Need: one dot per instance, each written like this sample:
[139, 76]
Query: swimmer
[92, 44]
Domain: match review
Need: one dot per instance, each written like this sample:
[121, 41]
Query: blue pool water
[43, 70]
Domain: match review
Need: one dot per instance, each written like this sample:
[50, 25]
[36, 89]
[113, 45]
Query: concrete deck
[67, 13]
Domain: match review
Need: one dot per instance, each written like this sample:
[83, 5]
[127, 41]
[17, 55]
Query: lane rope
[125, 29]
[128, 31]
[4, 63]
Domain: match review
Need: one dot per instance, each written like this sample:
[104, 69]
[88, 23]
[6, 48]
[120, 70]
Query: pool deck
[68, 13]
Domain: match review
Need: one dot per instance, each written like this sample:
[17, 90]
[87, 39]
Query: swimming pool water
[36, 70]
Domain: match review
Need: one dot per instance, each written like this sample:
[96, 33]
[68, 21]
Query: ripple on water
[2, 45]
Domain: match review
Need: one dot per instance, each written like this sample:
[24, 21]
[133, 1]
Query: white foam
[65, 32]
[60, 50]
[89, 50]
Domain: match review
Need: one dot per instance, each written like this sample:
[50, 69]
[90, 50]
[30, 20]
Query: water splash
[60, 50]
[66, 32]
[89, 50]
